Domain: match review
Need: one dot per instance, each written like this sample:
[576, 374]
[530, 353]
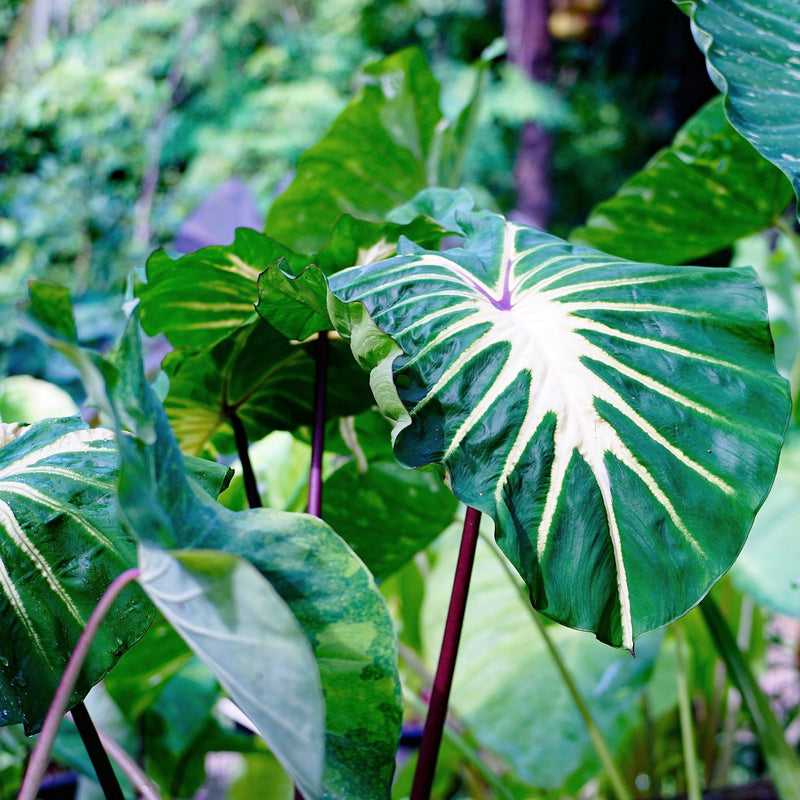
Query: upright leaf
[379, 153]
[617, 420]
[751, 47]
[61, 545]
[704, 192]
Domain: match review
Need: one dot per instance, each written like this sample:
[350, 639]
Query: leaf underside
[619, 421]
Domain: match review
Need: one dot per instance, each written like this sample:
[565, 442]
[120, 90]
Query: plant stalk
[318, 436]
[687, 728]
[242, 448]
[44, 744]
[106, 776]
[781, 759]
[442, 682]
[598, 740]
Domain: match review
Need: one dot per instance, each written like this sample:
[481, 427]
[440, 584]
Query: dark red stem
[242, 445]
[318, 437]
[440, 694]
[106, 776]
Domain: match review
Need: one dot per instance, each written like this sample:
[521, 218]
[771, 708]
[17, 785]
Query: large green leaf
[61, 545]
[507, 687]
[705, 191]
[329, 591]
[378, 154]
[751, 47]
[617, 420]
[244, 631]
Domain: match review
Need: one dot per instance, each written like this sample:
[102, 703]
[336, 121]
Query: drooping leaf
[753, 57]
[612, 417]
[237, 623]
[379, 153]
[259, 375]
[61, 545]
[329, 591]
[705, 191]
[517, 705]
[384, 511]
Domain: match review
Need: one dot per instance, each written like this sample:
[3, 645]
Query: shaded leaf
[701, 194]
[61, 546]
[384, 511]
[753, 57]
[263, 378]
[237, 623]
[612, 417]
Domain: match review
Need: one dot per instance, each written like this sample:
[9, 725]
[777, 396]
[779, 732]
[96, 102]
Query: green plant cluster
[615, 415]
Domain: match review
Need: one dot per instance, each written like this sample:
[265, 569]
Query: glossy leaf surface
[378, 154]
[705, 191]
[61, 545]
[753, 57]
[612, 417]
[237, 623]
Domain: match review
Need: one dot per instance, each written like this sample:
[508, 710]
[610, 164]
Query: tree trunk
[525, 24]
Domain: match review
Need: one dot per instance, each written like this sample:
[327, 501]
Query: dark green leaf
[751, 47]
[52, 306]
[61, 545]
[385, 512]
[705, 191]
[610, 416]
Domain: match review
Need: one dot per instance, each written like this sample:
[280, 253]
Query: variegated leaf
[620, 421]
[61, 545]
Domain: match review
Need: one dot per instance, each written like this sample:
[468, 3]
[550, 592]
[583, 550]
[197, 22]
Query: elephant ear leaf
[61, 545]
[621, 422]
[753, 57]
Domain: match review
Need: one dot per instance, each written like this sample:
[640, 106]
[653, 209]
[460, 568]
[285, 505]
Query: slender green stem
[687, 726]
[788, 230]
[469, 753]
[318, 436]
[598, 740]
[442, 682]
[44, 744]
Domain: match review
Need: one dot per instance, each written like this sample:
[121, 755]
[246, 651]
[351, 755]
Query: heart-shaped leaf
[705, 191]
[61, 545]
[619, 421]
[753, 57]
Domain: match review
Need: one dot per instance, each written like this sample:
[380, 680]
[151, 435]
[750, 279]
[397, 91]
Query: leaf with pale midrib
[618, 420]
